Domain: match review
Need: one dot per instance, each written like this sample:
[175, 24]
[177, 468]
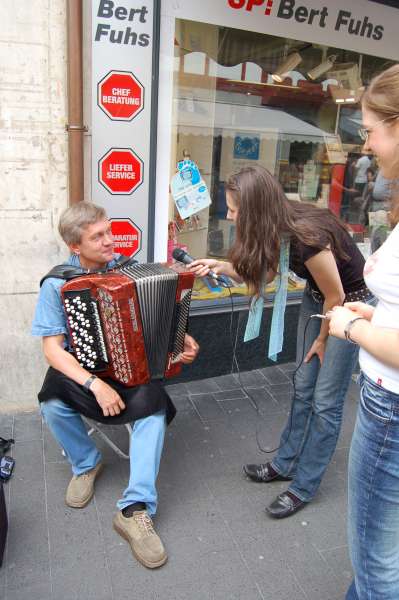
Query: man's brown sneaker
[81, 488]
[146, 545]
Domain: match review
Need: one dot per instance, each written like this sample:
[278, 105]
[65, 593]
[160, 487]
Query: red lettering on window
[251, 3]
[236, 3]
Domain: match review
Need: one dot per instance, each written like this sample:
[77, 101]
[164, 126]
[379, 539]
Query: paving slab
[220, 541]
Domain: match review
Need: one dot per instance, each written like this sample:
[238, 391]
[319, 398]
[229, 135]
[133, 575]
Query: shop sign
[120, 96]
[127, 236]
[122, 120]
[120, 171]
[291, 10]
[249, 4]
[359, 25]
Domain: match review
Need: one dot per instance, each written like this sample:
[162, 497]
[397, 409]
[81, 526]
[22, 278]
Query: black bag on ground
[3, 523]
[5, 445]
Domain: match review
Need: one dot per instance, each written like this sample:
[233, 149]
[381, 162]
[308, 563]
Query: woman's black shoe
[285, 505]
[263, 473]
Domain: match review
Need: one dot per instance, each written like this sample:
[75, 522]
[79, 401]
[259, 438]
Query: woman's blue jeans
[373, 516]
[311, 433]
[146, 443]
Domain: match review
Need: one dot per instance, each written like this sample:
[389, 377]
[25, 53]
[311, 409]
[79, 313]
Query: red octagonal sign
[127, 236]
[120, 171]
[120, 95]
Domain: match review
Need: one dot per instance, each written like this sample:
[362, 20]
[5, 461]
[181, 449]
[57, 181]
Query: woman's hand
[110, 402]
[361, 309]
[202, 266]
[318, 348]
[190, 351]
[340, 317]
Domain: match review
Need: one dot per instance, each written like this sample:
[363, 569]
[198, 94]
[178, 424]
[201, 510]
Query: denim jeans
[311, 433]
[373, 516]
[146, 443]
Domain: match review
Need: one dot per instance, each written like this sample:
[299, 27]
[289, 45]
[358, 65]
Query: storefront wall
[224, 106]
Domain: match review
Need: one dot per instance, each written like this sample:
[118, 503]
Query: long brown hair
[265, 216]
[382, 98]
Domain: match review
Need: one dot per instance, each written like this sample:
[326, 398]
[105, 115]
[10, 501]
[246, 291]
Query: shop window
[243, 98]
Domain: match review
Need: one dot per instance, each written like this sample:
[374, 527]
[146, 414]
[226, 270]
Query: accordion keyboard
[85, 327]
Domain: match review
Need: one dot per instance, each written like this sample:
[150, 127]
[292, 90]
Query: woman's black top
[350, 270]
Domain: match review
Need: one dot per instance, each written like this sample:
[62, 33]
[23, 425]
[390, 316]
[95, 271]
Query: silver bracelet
[348, 327]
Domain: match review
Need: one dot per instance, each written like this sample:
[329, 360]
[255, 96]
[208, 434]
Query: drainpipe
[75, 127]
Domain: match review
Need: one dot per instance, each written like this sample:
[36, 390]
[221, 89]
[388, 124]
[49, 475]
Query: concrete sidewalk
[220, 542]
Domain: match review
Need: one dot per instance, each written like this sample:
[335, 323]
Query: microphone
[185, 258]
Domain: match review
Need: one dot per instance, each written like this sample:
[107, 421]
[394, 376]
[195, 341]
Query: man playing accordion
[70, 390]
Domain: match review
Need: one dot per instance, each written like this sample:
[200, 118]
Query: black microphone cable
[235, 364]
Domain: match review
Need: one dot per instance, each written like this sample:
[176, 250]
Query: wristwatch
[348, 327]
[89, 381]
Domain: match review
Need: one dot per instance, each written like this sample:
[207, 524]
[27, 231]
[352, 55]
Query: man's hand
[190, 351]
[109, 400]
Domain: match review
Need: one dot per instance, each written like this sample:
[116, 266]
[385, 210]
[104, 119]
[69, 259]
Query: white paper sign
[189, 190]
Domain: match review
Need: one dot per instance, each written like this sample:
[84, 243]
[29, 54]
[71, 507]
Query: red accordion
[129, 324]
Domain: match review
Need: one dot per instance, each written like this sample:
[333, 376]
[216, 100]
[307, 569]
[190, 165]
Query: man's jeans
[146, 443]
[373, 517]
[310, 436]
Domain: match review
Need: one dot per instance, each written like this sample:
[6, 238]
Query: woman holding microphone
[373, 517]
[322, 252]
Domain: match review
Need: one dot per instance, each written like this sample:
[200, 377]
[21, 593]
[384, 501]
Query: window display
[243, 98]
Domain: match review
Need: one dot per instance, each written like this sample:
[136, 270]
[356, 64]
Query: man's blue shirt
[50, 317]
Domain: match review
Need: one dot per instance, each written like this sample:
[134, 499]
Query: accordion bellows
[129, 324]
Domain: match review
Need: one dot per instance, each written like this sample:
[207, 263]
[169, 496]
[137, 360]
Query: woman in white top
[374, 456]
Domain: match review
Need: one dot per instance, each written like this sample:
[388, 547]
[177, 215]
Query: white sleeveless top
[381, 274]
